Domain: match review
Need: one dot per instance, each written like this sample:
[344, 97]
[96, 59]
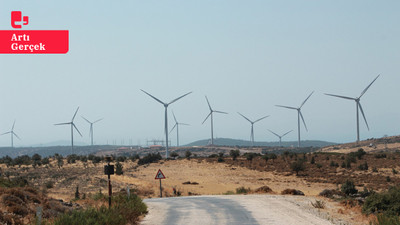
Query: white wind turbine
[166, 116]
[212, 123]
[358, 106]
[91, 128]
[252, 124]
[12, 133]
[299, 114]
[280, 136]
[177, 128]
[72, 129]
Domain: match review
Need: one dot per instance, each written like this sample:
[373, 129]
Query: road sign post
[160, 176]
[109, 170]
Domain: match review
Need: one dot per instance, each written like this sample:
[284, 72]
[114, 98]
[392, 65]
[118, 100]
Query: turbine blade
[179, 98]
[184, 124]
[86, 119]
[302, 118]
[306, 99]
[173, 128]
[288, 107]
[339, 96]
[362, 112]
[76, 129]
[13, 125]
[220, 112]
[15, 135]
[207, 117]
[98, 120]
[287, 133]
[75, 114]
[174, 117]
[261, 119]
[62, 123]
[274, 133]
[209, 106]
[158, 100]
[365, 90]
[6, 133]
[245, 118]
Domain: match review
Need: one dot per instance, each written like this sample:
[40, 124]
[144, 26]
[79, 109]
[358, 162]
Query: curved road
[231, 209]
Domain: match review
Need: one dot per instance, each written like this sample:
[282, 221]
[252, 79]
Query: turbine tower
[299, 114]
[177, 128]
[72, 129]
[280, 136]
[91, 128]
[252, 124]
[166, 116]
[12, 133]
[211, 114]
[358, 106]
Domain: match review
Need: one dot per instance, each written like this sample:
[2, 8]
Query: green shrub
[312, 160]
[188, 154]
[297, 166]
[348, 188]
[387, 202]
[242, 190]
[150, 158]
[234, 154]
[123, 211]
[118, 169]
[363, 166]
[383, 219]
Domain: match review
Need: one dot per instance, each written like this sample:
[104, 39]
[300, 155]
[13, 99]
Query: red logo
[32, 41]
[16, 16]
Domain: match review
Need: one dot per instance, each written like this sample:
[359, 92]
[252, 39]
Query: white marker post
[160, 176]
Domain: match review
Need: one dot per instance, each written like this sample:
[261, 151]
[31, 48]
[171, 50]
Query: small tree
[298, 166]
[188, 154]
[77, 193]
[118, 169]
[60, 161]
[348, 188]
[234, 154]
[312, 160]
[265, 157]
[174, 154]
[273, 156]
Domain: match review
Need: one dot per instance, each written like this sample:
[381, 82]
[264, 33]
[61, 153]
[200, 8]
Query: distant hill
[236, 142]
[51, 150]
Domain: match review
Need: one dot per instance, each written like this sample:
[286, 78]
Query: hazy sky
[246, 56]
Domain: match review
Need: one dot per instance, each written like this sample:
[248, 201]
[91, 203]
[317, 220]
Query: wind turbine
[252, 124]
[166, 115]
[211, 114]
[358, 106]
[91, 128]
[280, 136]
[12, 135]
[72, 129]
[177, 129]
[299, 114]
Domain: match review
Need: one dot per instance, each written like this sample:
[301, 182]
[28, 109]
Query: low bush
[242, 190]
[387, 202]
[123, 211]
[150, 158]
[292, 192]
[318, 204]
[348, 188]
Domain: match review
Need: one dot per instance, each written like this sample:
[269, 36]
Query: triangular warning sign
[160, 175]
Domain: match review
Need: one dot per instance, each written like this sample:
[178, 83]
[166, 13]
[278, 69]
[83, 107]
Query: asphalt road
[230, 210]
